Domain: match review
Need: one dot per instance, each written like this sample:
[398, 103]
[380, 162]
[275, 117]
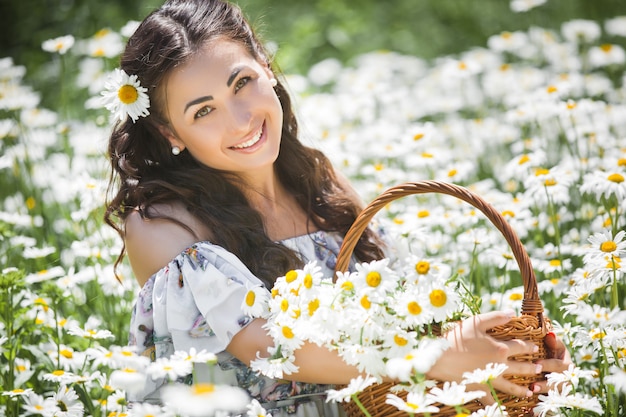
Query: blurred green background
[306, 31]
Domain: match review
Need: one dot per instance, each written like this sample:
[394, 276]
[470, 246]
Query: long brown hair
[145, 173]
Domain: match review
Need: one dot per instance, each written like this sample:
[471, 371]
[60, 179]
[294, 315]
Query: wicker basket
[530, 325]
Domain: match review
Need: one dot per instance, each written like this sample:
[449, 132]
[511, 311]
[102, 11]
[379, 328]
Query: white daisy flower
[604, 244]
[171, 368]
[482, 376]
[124, 96]
[255, 304]
[355, 386]
[200, 400]
[68, 403]
[454, 394]
[59, 45]
[416, 402]
[255, 409]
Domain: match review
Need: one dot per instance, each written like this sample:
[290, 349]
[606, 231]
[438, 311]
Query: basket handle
[531, 303]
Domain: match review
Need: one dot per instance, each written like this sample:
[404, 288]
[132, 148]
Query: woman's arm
[470, 348]
[316, 364]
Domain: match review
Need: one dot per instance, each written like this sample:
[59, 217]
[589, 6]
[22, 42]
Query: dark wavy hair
[144, 172]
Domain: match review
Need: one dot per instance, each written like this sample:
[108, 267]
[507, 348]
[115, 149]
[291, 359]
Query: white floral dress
[195, 302]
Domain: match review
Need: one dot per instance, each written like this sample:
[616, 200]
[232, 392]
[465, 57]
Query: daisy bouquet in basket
[384, 321]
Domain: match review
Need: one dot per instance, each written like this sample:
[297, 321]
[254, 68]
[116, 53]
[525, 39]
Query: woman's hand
[557, 359]
[472, 348]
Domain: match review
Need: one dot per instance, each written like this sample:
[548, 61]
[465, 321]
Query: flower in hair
[124, 96]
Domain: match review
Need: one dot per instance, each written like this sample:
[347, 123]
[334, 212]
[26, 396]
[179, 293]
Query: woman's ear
[171, 137]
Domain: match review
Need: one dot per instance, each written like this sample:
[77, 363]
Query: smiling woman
[215, 196]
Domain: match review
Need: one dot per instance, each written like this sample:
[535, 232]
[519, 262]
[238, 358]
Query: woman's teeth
[250, 142]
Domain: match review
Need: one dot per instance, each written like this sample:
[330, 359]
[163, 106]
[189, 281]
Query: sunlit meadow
[534, 122]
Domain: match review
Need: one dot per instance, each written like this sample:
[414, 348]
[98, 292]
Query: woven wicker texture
[530, 325]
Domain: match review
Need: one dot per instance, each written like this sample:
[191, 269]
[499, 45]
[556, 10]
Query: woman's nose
[240, 118]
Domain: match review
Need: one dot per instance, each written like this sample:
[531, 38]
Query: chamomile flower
[59, 45]
[482, 376]
[572, 375]
[200, 400]
[255, 302]
[255, 409]
[172, 368]
[605, 184]
[68, 403]
[416, 402]
[605, 246]
[355, 386]
[124, 96]
[454, 394]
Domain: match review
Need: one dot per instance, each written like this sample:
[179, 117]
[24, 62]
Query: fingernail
[529, 393]
[509, 313]
[536, 388]
[535, 349]
[551, 334]
[538, 368]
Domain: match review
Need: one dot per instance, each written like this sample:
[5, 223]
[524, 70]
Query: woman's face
[223, 109]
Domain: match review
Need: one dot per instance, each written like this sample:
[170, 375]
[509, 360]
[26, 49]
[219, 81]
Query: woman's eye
[202, 112]
[241, 82]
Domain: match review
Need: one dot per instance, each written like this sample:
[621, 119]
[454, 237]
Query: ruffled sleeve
[198, 296]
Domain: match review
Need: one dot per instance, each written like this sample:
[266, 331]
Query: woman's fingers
[492, 319]
[511, 388]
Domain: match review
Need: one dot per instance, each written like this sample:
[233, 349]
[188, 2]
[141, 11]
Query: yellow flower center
[250, 297]
[541, 171]
[551, 89]
[452, 173]
[422, 267]
[347, 286]
[58, 372]
[373, 279]
[508, 213]
[287, 332]
[418, 136]
[128, 94]
[308, 281]
[313, 306]
[427, 155]
[291, 276]
[67, 353]
[516, 296]
[606, 47]
[365, 302]
[617, 178]
[608, 246]
[550, 182]
[423, 213]
[438, 298]
[399, 340]
[203, 388]
[523, 159]
[414, 308]
[621, 162]
[555, 262]
[30, 203]
[284, 304]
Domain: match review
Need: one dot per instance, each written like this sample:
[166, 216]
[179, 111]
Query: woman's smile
[250, 144]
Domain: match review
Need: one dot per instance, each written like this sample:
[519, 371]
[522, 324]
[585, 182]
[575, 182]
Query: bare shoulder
[152, 243]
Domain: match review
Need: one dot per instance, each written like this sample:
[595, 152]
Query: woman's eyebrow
[233, 75]
[229, 82]
[197, 101]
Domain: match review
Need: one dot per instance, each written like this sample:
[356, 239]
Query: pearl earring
[175, 150]
[273, 82]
